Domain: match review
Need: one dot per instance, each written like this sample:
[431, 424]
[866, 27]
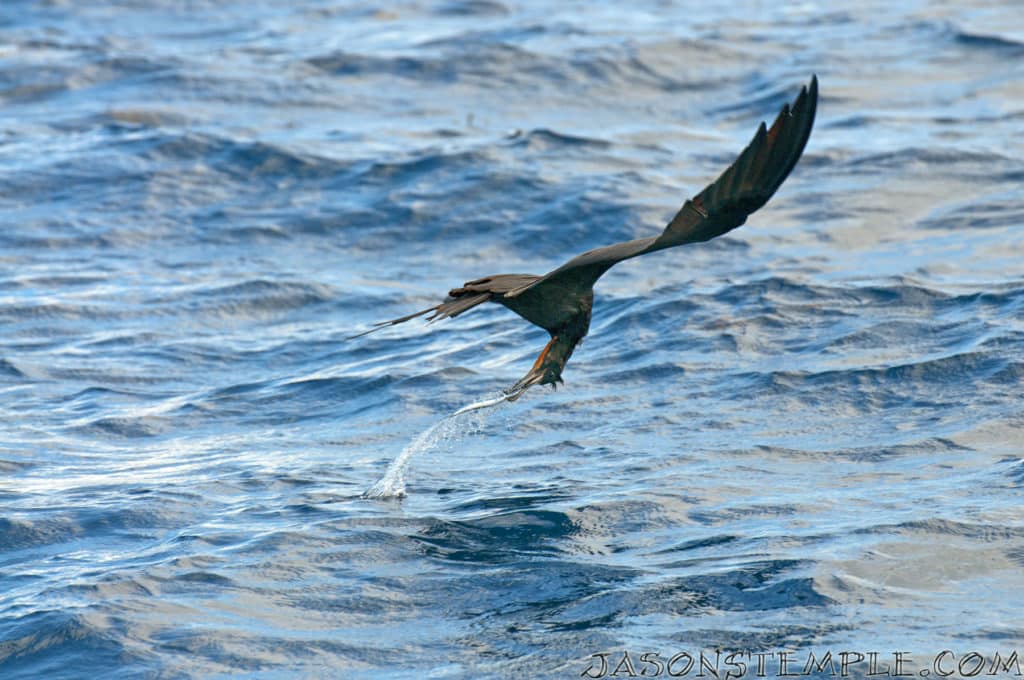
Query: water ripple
[813, 420]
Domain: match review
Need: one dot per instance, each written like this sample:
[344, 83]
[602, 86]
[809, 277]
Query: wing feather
[459, 300]
[723, 205]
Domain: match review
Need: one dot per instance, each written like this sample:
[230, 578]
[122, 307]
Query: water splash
[449, 429]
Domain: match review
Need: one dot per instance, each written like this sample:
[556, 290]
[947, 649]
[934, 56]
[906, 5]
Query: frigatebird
[560, 302]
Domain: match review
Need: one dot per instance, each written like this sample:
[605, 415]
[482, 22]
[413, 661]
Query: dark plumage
[560, 302]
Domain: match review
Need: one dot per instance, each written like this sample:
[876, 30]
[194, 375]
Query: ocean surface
[806, 436]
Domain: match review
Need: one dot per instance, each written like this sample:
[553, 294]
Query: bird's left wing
[723, 205]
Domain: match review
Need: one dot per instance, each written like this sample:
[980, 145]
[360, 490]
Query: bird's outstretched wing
[723, 205]
[459, 300]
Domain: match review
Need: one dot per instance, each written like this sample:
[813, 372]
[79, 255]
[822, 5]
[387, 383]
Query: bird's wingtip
[376, 327]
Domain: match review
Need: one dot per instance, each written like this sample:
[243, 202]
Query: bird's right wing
[459, 300]
[723, 205]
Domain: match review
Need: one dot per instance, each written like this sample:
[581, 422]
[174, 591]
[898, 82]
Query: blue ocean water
[806, 436]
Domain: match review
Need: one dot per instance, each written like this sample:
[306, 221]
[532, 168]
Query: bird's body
[561, 301]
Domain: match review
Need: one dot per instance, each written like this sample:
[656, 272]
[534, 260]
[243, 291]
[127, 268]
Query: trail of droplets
[450, 429]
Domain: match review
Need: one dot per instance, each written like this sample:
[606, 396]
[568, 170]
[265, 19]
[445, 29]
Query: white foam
[450, 428]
